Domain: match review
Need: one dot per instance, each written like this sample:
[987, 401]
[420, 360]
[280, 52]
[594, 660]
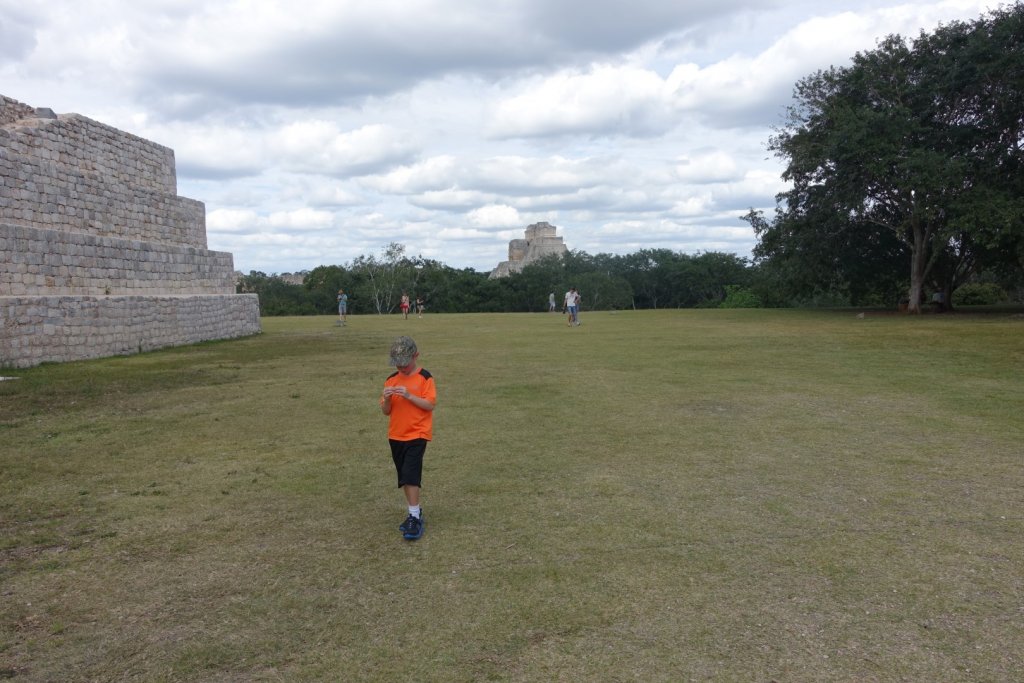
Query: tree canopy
[657, 278]
[910, 155]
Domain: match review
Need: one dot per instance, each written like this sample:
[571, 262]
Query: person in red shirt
[408, 399]
[404, 305]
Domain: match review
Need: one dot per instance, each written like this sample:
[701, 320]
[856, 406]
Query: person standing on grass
[419, 306]
[572, 302]
[404, 305]
[408, 400]
[342, 306]
[551, 302]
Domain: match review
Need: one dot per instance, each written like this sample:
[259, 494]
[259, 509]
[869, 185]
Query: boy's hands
[417, 401]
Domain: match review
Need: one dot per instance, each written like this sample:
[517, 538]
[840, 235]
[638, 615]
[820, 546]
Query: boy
[408, 399]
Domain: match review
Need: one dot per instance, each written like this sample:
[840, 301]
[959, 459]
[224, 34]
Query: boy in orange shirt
[408, 399]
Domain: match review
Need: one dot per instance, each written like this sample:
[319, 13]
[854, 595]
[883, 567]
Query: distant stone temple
[99, 256]
[540, 241]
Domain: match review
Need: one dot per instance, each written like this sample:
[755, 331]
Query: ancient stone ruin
[540, 241]
[99, 256]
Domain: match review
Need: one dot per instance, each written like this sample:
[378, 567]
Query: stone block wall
[517, 249]
[12, 110]
[89, 216]
[72, 173]
[60, 328]
[41, 262]
[540, 231]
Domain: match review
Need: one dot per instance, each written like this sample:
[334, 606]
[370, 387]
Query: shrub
[979, 294]
[739, 297]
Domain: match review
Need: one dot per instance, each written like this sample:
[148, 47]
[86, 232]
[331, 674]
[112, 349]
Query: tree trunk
[947, 298]
[918, 264]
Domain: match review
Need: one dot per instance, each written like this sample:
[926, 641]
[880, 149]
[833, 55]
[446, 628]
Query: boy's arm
[421, 403]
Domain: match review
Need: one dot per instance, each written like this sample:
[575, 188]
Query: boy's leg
[412, 499]
[408, 457]
[412, 527]
[412, 474]
[412, 494]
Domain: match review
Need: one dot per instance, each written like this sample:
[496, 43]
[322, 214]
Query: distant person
[342, 306]
[404, 305]
[572, 302]
[408, 400]
[551, 302]
[419, 306]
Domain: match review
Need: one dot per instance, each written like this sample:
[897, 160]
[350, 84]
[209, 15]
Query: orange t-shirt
[409, 421]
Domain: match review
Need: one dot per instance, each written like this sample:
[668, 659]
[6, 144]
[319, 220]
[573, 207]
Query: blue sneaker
[413, 528]
[404, 526]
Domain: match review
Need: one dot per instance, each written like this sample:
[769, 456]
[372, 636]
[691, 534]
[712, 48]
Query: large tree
[390, 275]
[918, 139]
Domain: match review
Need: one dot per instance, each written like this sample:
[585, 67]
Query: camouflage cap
[402, 351]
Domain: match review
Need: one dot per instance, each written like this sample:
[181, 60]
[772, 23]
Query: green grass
[705, 495]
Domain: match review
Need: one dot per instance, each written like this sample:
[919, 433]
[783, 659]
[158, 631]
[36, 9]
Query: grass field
[653, 496]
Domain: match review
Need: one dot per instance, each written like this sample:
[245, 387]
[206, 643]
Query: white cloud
[708, 167]
[301, 219]
[232, 220]
[213, 152]
[528, 175]
[317, 146]
[436, 173]
[247, 221]
[746, 89]
[606, 99]
[494, 216]
[330, 195]
[319, 134]
[450, 199]
[464, 234]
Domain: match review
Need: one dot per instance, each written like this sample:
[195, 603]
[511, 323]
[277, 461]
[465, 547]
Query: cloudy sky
[319, 131]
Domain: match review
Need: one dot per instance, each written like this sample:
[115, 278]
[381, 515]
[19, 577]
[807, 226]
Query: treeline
[647, 279]
[650, 278]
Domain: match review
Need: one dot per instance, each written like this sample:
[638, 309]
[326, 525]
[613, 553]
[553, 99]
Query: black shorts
[408, 457]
